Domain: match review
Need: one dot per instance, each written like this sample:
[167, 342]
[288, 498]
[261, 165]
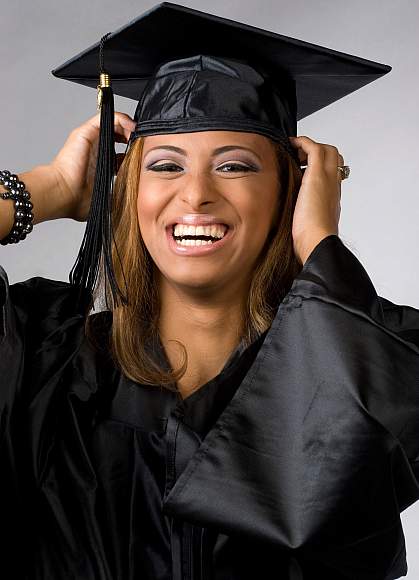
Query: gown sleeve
[35, 316]
[318, 451]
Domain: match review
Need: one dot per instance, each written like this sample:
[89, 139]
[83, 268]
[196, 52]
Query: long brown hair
[134, 327]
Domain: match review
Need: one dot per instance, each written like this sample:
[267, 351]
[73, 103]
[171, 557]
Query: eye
[163, 167]
[238, 167]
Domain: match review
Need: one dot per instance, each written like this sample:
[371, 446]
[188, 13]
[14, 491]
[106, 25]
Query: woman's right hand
[74, 165]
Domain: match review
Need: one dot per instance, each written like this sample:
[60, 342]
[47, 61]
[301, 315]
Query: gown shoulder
[35, 305]
[40, 327]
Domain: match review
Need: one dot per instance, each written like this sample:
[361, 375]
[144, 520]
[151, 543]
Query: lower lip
[196, 250]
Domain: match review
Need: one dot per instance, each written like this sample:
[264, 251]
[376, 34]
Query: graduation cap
[192, 71]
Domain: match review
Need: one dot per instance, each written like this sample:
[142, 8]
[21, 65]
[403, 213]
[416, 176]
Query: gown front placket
[182, 442]
[190, 543]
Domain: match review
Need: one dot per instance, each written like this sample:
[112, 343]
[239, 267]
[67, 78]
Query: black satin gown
[294, 463]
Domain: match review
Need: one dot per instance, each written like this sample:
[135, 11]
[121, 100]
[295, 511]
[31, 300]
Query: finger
[341, 163]
[93, 122]
[123, 118]
[310, 150]
[331, 159]
[331, 150]
[124, 124]
[340, 177]
[302, 155]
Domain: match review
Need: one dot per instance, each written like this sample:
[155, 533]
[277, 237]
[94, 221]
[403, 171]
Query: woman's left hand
[317, 210]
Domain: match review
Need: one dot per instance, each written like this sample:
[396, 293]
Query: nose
[198, 190]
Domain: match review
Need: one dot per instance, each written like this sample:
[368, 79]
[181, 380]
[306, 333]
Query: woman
[250, 413]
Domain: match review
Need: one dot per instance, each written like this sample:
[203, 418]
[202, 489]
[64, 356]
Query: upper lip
[197, 220]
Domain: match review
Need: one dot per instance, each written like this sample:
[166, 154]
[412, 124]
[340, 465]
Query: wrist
[49, 202]
[304, 247]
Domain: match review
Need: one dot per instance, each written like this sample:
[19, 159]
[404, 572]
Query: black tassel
[98, 236]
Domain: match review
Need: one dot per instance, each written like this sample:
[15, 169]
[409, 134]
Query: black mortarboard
[192, 71]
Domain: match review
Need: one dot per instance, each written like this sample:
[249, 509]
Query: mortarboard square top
[170, 31]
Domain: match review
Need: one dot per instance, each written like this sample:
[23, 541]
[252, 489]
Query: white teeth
[193, 242]
[216, 230]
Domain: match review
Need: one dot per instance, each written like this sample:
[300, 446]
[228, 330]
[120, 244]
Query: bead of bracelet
[23, 219]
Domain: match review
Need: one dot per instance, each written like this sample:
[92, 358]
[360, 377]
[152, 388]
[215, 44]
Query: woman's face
[205, 185]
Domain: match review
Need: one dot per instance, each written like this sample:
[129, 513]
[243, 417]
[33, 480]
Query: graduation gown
[294, 463]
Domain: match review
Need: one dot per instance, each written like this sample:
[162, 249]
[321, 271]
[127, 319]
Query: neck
[208, 326]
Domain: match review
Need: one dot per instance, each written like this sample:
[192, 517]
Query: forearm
[46, 197]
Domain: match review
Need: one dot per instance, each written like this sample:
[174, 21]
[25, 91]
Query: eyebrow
[214, 153]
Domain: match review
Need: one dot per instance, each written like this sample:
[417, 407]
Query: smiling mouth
[201, 239]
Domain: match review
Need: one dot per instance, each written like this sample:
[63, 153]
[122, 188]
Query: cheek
[147, 210]
[259, 216]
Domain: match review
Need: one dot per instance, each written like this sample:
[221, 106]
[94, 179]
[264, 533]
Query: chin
[193, 283]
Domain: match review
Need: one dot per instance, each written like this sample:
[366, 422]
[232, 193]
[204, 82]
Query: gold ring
[344, 171]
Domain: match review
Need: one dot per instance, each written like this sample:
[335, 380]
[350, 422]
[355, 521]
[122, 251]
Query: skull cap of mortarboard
[192, 71]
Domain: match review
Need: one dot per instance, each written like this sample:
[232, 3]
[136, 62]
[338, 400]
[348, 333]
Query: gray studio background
[374, 128]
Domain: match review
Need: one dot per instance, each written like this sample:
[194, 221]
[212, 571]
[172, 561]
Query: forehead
[207, 140]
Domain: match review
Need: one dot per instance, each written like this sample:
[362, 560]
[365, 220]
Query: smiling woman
[251, 187]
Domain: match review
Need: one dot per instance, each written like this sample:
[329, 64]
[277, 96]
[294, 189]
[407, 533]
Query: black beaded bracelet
[23, 223]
